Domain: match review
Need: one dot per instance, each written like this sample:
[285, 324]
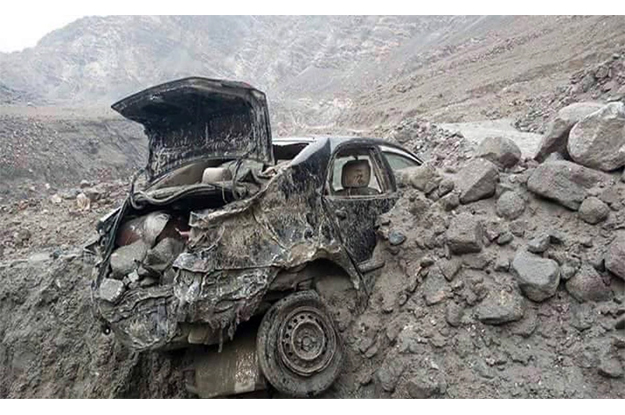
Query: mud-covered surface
[424, 334]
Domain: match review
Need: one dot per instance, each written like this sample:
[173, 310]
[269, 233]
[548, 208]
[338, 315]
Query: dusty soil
[420, 336]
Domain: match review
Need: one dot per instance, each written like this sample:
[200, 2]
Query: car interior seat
[355, 178]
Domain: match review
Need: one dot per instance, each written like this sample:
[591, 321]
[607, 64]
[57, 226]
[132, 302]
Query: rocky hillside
[324, 73]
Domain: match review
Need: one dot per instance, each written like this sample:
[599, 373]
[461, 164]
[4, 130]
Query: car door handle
[341, 214]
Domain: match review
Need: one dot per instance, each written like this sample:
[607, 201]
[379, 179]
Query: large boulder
[587, 285]
[615, 257]
[556, 137]
[597, 141]
[499, 150]
[464, 234]
[538, 277]
[477, 180]
[565, 182]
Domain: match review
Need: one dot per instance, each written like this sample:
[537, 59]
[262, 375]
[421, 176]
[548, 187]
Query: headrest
[215, 175]
[356, 174]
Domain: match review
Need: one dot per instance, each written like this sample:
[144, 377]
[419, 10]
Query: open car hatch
[198, 118]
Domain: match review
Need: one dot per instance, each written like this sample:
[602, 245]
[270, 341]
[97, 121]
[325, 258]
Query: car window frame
[384, 149]
[380, 165]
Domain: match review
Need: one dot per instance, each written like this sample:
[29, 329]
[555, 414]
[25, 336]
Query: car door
[355, 212]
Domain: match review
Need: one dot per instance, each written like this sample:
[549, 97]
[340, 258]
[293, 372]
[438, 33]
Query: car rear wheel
[299, 349]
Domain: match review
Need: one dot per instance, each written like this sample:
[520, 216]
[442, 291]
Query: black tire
[299, 349]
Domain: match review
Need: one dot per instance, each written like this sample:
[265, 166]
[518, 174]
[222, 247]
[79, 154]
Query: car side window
[355, 173]
[398, 161]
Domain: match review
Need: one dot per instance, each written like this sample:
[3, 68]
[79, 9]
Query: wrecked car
[228, 241]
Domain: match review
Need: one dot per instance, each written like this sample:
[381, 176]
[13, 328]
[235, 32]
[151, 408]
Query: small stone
[450, 268]
[426, 261]
[83, 202]
[538, 278]
[464, 234]
[125, 259]
[84, 184]
[518, 227]
[539, 244]
[615, 257]
[502, 264]
[454, 314]
[421, 387]
[587, 285]
[434, 288]
[446, 186]
[111, 290]
[500, 307]
[396, 238]
[592, 210]
[510, 205]
[610, 367]
[505, 238]
[477, 261]
[450, 201]
[389, 374]
[582, 316]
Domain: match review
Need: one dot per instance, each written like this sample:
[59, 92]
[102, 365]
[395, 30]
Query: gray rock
[539, 244]
[450, 201]
[111, 290]
[449, 267]
[565, 182]
[445, 186]
[510, 205]
[500, 307]
[454, 314]
[582, 317]
[538, 278]
[597, 140]
[505, 238]
[125, 259]
[396, 238]
[556, 137]
[388, 375]
[592, 210]
[610, 367]
[615, 256]
[499, 150]
[464, 234]
[502, 263]
[587, 285]
[423, 387]
[161, 257]
[434, 288]
[424, 178]
[477, 180]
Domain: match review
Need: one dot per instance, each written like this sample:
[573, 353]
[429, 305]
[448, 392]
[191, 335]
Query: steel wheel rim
[306, 341]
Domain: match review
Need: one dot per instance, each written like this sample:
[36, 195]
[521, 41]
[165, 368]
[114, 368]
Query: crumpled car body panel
[233, 255]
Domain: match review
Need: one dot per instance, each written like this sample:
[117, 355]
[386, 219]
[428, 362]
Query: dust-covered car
[236, 239]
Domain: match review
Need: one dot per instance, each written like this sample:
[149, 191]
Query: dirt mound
[49, 148]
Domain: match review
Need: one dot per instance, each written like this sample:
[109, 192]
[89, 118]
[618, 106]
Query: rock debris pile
[504, 276]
